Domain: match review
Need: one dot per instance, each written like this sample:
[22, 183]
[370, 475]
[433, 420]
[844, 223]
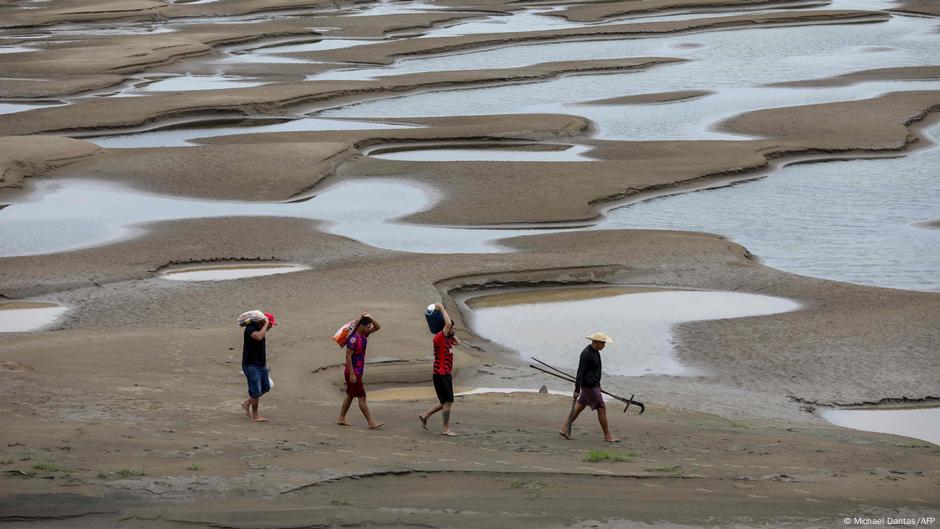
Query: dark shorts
[444, 387]
[259, 381]
[357, 389]
[592, 397]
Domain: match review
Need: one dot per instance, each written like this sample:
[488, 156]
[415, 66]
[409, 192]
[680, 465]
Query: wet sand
[645, 99]
[923, 7]
[126, 412]
[882, 74]
[594, 13]
[90, 115]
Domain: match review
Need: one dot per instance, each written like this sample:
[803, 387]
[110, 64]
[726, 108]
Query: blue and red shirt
[357, 343]
[443, 354]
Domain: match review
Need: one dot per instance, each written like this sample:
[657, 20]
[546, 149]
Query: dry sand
[127, 413]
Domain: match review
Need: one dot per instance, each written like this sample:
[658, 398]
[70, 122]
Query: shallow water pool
[716, 62]
[229, 272]
[640, 322]
[28, 316]
[184, 137]
[495, 152]
[67, 215]
[854, 221]
[919, 423]
[197, 82]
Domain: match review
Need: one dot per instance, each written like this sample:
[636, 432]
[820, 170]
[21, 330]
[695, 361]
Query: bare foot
[245, 406]
[342, 422]
[566, 435]
[258, 418]
[424, 421]
[611, 440]
[449, 433]
[376, 425]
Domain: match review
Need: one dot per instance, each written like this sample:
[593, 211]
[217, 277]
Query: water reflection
[63, 216]
[28, 316]
[184, 137]
[229, 272]
[495, 152]
[919, 423]
[717, 63]
[640, 322]
[831, 220]
[197, 82]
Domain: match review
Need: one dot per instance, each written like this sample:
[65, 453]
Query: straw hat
[600, 337]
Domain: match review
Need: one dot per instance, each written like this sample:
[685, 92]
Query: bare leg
[246, 406]
[569, 421]
[255, 416]
[447, 431]
[364, 408]
[347, 402]
[602, 418]
[427, 415]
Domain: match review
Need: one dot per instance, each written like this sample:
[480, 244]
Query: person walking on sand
[587, 387]
[355, 365]
[255, 364]
[444, 342]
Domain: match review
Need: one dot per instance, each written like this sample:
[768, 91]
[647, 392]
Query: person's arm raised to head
[375, 323]
[259, 334]
[355, 322]
[448, 323]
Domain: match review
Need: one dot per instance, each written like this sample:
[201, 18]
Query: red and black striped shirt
[443, 355]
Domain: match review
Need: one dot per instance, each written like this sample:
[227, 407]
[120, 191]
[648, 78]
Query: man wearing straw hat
[587, 387]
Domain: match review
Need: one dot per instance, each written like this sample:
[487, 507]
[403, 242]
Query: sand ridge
[879, 74]
[386, 53]
[124, 112]
[603, 11]
[645, 99]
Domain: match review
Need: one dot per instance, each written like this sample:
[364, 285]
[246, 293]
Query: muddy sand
[125, 411]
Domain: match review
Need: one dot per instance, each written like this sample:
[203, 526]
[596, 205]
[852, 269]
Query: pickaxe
[555, 372]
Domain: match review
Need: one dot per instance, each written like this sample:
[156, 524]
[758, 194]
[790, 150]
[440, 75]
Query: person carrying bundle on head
[254, 359]
[356, 344]
[443, 341]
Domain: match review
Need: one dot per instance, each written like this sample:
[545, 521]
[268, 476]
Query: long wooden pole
[568, 378]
